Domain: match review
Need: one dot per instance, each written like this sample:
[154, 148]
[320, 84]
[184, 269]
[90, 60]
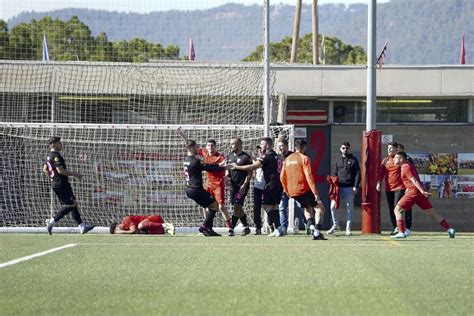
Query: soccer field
[427, 273]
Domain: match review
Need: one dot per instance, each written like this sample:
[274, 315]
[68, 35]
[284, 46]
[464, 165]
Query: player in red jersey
[415, 194]
[394, 188]
[153, 224]
[215, 180]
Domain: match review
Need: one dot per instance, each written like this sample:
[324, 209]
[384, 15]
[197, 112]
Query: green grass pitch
[426, 274]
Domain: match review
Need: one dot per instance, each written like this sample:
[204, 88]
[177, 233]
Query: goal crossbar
[130, 126]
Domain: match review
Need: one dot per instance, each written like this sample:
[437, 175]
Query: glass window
[404, 111]
[307, 105]
[349, 112]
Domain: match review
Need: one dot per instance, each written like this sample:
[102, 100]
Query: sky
[9, 8]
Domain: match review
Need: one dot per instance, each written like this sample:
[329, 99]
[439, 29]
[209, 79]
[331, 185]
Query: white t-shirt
[259, 180]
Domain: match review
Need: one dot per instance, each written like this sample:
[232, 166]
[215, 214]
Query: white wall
[392, 81]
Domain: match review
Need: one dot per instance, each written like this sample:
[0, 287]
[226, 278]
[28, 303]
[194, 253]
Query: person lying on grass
[153, 224]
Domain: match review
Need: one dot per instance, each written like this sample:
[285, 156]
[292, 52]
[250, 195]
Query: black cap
[53, 140]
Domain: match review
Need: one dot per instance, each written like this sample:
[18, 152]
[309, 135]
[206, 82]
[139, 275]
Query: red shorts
[156, 230]
[413, 197]
[218, 192]
[155, 219]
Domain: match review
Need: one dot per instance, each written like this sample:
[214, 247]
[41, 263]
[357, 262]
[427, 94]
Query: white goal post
[129, 169]
[118, 122]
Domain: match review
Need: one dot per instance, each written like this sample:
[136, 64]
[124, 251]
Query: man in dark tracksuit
[348, 172]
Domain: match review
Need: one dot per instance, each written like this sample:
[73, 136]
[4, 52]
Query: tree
[103, 49]
[21, 43]
[4, 40]
[73, 40]
[77, 40]
[122, 51]
[172, 52]
[139, 50]
[337, 52]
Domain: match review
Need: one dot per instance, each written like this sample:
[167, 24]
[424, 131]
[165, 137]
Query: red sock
[401, 225]
[154, 228]
[228, 224]
[445, 224]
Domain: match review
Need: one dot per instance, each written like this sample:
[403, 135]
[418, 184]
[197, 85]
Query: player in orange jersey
[394, 188]
[298, 182]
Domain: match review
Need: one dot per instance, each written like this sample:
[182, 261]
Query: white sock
[81, 225]
[316, 233]
[312, 227]
[52, 221]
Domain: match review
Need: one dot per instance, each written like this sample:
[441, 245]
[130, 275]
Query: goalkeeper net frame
[118, 122]
[128, 170]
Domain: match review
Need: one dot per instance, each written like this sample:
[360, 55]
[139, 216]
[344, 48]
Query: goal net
[128, 169]
[118, 123]
[116, 101]
[119, 93]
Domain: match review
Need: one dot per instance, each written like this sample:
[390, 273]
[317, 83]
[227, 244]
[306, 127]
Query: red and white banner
[307, 117]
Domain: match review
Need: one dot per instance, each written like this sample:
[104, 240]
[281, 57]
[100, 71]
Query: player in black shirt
[193, 168]
[55, 168]
[239, 181]
[271, 166]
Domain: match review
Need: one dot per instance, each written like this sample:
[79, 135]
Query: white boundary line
[383, 243]
[39, 254]
[164, 244]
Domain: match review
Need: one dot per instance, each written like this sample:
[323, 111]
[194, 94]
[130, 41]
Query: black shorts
[272, 193]
[235, 196]
[307, 199]
[200, 196]
[65, 194]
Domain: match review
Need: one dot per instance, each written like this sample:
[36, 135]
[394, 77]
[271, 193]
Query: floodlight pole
[371, 138]
[266, 68]
[371, 73]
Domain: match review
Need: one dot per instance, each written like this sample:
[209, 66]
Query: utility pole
[296, 32]
[314, 29]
